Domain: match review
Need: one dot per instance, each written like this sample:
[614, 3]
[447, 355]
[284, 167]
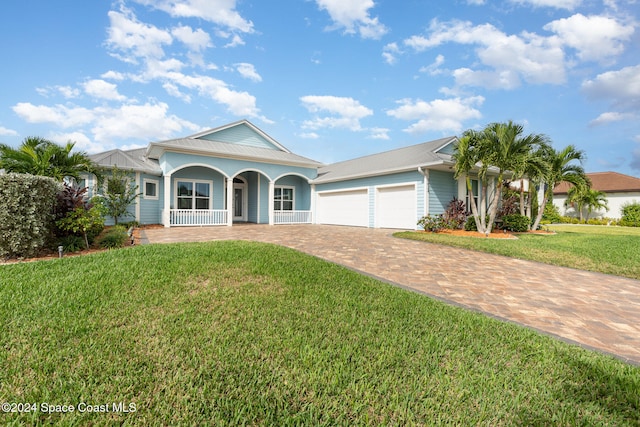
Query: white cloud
[621, 87]
[434, 68]
[146, 122]
[476, 2]
[175, 91]
[236, 40]
[596, 38]
[113, 75]
[195, 40]
[353, 16]
[444, 115]
[220, 12]
[528, 56]
[7, 132]
[610, 117]
[61, 115]
[248, 71]
[103, 90]
[238, 103]
[134, 38]
[109, 125]
[390, 53]
[68, 91]
[379, 133]
[82, 141]
[558, 4]
[309, 135]
[343, 112]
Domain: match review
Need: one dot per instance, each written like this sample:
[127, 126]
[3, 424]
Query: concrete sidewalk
[597, 311]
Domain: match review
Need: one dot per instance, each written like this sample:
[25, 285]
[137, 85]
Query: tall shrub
[26, 204]
[630, 215]
[121, 193]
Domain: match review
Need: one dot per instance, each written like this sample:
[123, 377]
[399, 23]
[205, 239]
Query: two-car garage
[380, 207]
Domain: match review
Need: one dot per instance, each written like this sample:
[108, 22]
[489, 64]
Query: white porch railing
[187, 217]
[292, 217]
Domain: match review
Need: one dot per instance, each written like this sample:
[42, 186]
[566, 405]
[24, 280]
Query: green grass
[225, 333]
[610, 250]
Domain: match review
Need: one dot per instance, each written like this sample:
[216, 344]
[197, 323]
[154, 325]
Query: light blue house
[237, 173]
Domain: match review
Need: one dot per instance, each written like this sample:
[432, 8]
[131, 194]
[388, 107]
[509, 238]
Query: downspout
[425, 182]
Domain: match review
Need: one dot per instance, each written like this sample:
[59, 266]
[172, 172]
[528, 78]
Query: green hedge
[631, 215]
[26, 204]
[516, 223]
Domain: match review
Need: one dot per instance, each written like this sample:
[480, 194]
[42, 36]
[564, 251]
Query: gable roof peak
[243, 122]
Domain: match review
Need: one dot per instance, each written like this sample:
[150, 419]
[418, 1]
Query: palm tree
[587, 198]
[467, 154]
[38, 156]
[502, 148]
[562, 167]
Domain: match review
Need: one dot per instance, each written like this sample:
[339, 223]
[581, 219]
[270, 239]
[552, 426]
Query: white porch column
[139, 197]
[166, 214]
[462, 188]
[271, 197]
[425, 182]
[312, 206]
[229, 202]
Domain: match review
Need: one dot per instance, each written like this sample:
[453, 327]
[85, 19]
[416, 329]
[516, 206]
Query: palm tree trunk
[474, 208]
[522, 196]
[545, 199]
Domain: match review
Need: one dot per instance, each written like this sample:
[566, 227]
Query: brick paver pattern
[597, 311]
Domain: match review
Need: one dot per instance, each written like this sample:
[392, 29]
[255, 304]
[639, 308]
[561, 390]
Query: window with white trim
[150, 188]
[193, 194]
[283, 198]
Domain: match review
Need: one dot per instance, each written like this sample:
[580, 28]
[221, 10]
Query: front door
[239, 200]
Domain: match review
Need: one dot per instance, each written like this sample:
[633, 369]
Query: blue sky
[328, 79]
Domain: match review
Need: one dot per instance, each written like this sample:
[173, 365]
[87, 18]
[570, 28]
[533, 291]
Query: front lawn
[247, 333]
[611, 250]
[250, 333]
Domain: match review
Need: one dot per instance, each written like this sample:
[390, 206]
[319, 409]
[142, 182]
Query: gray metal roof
[400, 159]
[225, 149]
[131, 160]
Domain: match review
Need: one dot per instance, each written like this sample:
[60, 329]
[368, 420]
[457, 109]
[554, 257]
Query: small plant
[455, 215]
[551, 214]
[71, 243]
[114, 237]
[432, 223]
[516, 222]
[121, 193]
[83, 221]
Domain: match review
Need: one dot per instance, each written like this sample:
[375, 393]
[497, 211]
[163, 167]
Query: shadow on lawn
[591, 394]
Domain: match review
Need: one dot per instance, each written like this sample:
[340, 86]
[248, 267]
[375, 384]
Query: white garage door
[344, 208]
[396, 207]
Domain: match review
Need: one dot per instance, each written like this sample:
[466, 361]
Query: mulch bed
[52, 254]
[495, 234]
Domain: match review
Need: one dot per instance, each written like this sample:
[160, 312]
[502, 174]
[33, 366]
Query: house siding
[442, 188]
[242, 135]
[231, 167]
[615, 202]
[150, 208]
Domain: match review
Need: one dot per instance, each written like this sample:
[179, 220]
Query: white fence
[292, 217]
[187, 217]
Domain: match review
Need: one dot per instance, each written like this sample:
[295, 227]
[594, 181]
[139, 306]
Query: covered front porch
[205, 196]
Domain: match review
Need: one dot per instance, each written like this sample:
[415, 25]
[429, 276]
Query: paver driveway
[598, 311]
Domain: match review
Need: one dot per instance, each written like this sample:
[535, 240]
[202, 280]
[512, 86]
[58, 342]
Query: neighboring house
[620, 189]
[237, 173]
